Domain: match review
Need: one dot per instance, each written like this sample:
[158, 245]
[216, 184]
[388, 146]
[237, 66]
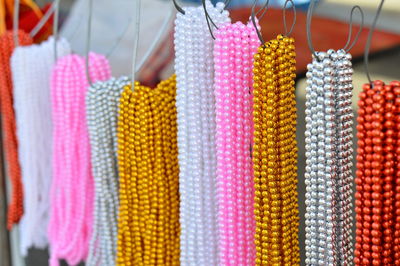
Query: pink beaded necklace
[72, 190]
[235, 46]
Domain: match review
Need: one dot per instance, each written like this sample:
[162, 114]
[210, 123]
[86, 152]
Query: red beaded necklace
[378, 164]
[15, 209]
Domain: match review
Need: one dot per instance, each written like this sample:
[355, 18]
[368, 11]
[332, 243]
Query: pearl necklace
[196, 133]
[148, 222]
[275, 154]
[31, 67]
[329, 156]
[72, 188]
[102, 103]
[15, 207]
[377, 182]
[235, 46]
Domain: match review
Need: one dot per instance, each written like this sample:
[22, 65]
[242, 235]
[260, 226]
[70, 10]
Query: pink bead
[235, 187]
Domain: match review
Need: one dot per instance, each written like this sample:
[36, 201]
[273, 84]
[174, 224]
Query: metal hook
[16, 22]
[208, 19]
[253, 17]
[287, 33]
[180, 9]
[349, 46]
[43, 20]
[310, 12]
[55, 26]
[226, 3]
[88, 35]
[369, 40]
[136, 43]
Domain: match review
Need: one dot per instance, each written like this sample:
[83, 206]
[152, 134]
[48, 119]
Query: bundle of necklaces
[378, 177]
[235, 46]
[329, 155]
[102, 104]
[72, 189]
[195, 105]
[275, 154]
[148, 222]
[7, 45]
[32, 105]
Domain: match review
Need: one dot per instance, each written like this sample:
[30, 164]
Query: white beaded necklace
[196, 133]
[31, 68]
[329, 156]
[102, 103]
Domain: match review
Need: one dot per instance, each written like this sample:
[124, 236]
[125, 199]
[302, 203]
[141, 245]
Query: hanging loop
[369, 40]
[310, 12]
[348, 46]
[55, 27]
[288, 32]
[253, 17]
[208, 19]
[16, 22]
[136, 42]
[43, 20]
[88, 37]
[180, 9]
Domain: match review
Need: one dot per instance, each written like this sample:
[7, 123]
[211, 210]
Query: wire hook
[253, 17]
[136, 42]
[208, 19]
[287, 33]
[88, 37]
[180, 9]
[16, 22]
[369, 40]
[349, 46]
[55, 26]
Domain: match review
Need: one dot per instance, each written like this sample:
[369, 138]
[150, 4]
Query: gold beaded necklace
[275, 154]
[148, 226]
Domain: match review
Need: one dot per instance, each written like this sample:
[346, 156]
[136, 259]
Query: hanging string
[234, 134]
[196, 134]
[32, 106]
[72, 191]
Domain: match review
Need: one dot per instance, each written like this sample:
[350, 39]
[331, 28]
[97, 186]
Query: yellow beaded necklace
[275, 154]
[148, 225]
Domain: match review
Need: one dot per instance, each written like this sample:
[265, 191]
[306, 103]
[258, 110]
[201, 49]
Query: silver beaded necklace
[329, 154]
[102, 103]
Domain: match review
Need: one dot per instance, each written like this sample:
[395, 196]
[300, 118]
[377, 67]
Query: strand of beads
[377, 200]
[329, 159]
[102, 103]
[72, 189]
[275, 154]
[7, 45]
[196, 133]
[235, 46]
[32, 104]
[148, 222]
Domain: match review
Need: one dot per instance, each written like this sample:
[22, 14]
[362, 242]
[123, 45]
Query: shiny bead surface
[275, 154]
[148, 221]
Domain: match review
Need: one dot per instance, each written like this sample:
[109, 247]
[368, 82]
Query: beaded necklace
[72, 189]
[329, 156]
[31, 87]
[15, 208]
[377, 177]
[235, 46]
[275, 154]
[196, 133]
[102, 103]
[148, 222]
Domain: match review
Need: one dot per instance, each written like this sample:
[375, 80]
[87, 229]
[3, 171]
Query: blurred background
[112, 34]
